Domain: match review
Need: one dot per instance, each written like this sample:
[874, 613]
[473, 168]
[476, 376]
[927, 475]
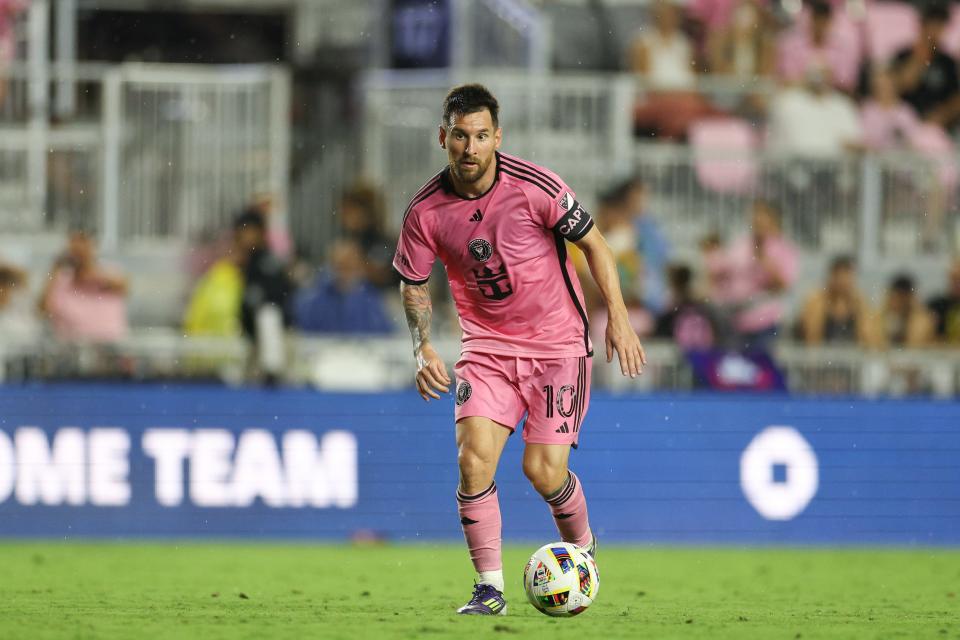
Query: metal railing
[186, 146]
[158, 152]
[377, 364]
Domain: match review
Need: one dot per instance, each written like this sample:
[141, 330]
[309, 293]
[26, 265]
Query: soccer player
[500, 226]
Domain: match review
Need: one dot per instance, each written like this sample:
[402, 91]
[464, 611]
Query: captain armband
[575, 223]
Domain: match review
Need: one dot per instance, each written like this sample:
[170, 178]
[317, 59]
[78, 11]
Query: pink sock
[569, 507]
[480, 517]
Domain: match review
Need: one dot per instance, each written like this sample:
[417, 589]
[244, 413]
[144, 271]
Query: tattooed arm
[431, 372]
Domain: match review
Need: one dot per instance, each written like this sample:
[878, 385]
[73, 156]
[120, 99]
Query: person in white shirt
[813, 120]
[662, 58]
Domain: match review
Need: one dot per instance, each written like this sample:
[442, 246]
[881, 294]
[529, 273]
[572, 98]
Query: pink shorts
[553, 393]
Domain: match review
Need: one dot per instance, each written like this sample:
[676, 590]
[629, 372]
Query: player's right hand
[431, 373]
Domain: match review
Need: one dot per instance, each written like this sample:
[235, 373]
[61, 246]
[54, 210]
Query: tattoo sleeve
[419, 311]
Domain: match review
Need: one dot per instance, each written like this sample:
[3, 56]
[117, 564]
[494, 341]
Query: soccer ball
[561, 579]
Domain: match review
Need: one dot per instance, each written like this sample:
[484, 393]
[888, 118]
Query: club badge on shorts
[464, 391]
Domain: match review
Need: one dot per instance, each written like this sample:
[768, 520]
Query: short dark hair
[250, 219]
[680, 276]
[902, 283]
[470, 98]
[821, 8]
[842, 262]
[935, 12]
[618, 191]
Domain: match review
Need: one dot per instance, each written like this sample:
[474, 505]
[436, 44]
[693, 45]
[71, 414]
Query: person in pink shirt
[821, 38]
[9, 10]
[887, 122]
[750, 277]
[890, 124]
[83, 301]
[500, 225]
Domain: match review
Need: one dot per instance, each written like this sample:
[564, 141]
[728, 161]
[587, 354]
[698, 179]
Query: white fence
[378, 364]
[187, 146]
[160, 152]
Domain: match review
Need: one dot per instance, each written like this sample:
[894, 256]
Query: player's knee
[545, 476]
[476, 469]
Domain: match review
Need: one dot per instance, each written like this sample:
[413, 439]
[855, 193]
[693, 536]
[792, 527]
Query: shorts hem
[574, 443]
[535, 440]
[500, 423]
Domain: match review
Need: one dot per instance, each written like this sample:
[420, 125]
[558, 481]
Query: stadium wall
[151, 461]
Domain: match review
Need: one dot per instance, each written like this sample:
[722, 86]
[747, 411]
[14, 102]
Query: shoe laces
[479, 589]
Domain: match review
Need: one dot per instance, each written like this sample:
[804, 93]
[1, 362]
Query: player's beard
[471, 175]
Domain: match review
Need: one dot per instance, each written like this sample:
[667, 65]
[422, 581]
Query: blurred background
[776, 176]
[209, 192]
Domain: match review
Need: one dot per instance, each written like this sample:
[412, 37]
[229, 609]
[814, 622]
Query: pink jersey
[505, 253]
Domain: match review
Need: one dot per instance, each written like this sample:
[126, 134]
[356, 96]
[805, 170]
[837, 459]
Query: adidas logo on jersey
[563, 428]
[477, 217]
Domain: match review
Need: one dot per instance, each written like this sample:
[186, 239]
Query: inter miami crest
[464, 391]
[480, 249]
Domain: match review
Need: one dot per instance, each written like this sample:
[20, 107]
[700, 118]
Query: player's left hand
[623, 339]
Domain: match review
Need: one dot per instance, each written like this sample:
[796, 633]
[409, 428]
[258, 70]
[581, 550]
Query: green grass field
[211, 591]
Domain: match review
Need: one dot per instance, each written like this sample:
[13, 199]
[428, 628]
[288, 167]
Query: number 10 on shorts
[566, 400]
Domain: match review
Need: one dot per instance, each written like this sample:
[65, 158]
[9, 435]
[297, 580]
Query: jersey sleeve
[565, 215]
[415, 254]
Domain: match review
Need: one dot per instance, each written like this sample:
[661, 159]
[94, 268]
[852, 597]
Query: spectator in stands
[362, 220]
[9, 10]
[651, 242]
[814, 120]
[689, 321]
[890, 124]
[264, 204]
[711, 16]
[663, 58]
[267, 295]
[819, 39]
[214, 308]
[215, 242]
[905, 320]
[839, 313]
[926, 77]
[614, 219]
[342, 300]
[83, 300]
[946, 309]
[745, 51]
[753, 276]
[17, 318]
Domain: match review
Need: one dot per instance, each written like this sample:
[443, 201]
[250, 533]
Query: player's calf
[568, 504]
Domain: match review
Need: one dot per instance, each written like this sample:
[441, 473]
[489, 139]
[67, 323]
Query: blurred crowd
[842, 82]
[741, 294]
[820, 84]
[812, 86]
